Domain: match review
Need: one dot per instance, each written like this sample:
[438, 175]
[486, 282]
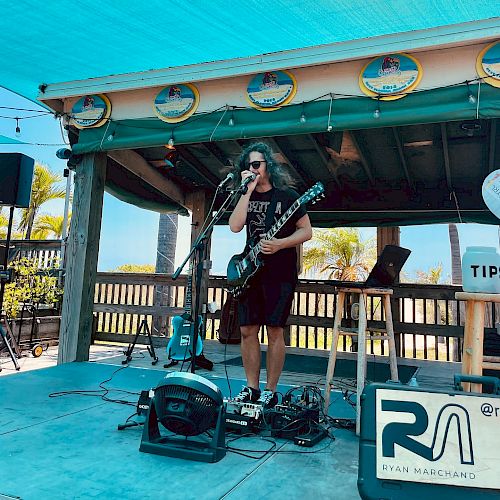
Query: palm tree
[48, 224]
[43, 190]
[340, 253]
[165, 261]
[456, 262]
[4, 223]
[430, 277]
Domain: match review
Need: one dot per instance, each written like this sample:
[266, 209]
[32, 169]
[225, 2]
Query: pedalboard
[296, 421]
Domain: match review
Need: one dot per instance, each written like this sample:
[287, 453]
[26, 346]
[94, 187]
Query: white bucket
[481, 270]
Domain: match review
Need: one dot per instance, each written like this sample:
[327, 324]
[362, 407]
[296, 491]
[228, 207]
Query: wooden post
[81, 254]
[361, 361]
[200, 205]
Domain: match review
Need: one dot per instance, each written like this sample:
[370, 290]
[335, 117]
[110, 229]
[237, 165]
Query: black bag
[229, 327]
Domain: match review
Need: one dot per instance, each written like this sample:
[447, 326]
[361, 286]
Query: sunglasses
[256, 164]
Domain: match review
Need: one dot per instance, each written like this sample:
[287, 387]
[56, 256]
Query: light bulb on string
[303, 117]
[376, 113]
[231, 119]
[18, 129]
[171, 142]
[470, 96]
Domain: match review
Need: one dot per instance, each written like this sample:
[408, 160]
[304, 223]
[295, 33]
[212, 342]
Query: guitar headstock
[313, 194]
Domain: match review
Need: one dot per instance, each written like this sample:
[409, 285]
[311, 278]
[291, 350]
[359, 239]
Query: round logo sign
[389, 76]
[491, 192]
[176, 102]
[488, 64]
[268, 91]
[90, 111]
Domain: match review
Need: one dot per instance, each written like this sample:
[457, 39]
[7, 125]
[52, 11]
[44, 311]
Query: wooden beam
[446, 155]
[402, 158]
[324, 157]
[81, 255]
[279, 146]
[136, 164]
[361, 149]
[493, 142]
[195, 163]
[217, 154]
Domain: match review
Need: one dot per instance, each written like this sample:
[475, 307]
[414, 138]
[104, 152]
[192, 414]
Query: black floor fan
[191, 410]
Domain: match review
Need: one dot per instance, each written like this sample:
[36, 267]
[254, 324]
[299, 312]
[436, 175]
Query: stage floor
[69, 446]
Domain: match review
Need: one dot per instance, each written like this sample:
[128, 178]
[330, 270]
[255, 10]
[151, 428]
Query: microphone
[229, 177]
[244, 183]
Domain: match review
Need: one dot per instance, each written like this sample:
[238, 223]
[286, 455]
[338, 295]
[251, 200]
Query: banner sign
[488, 64]
[90, 111]
[268, 91]
[176, 102]
[390, 75]
[491, 192]
[438, 438]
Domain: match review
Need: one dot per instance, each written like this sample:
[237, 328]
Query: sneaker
[268, 398]
[246, 395]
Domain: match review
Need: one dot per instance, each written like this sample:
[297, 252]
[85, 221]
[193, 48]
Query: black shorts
[266, 302]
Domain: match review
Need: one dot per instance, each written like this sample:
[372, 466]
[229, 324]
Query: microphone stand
[200, 246]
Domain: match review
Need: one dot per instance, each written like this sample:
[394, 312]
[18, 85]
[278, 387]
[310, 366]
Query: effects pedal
[243, 417]
[311, 438]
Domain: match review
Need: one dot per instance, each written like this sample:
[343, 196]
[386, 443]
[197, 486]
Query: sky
[129, 234]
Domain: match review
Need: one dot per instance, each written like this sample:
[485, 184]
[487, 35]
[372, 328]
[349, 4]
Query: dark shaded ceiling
[403, 175]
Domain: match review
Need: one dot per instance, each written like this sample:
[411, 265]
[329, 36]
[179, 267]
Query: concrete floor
[69, 446]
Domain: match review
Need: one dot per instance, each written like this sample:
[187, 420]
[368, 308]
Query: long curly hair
[278, 177]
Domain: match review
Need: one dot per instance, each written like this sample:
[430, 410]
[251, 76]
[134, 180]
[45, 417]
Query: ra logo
[400, 432]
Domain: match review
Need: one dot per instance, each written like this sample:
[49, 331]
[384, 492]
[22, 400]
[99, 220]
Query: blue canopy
[57, 41]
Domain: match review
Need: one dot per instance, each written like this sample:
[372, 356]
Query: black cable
[102, 393]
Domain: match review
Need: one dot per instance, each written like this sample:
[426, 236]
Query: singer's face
[256, 156]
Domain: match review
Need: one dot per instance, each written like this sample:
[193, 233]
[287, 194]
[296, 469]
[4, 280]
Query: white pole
[62, 265]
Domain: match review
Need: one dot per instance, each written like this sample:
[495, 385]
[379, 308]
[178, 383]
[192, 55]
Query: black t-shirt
[281, 265]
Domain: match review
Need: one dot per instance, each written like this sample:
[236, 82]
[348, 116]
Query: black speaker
[16, 178]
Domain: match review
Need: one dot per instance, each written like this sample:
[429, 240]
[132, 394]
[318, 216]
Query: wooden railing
[428, 320]
[45, 252]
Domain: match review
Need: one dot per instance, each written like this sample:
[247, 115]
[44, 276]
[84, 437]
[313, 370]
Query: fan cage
[184, 410]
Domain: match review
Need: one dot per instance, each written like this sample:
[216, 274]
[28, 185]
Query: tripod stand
[143, 328]
[199, 248]
[6, 334]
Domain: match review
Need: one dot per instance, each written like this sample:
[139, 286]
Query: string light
[470, 96]
[18, 129]
[171, 142]
[303, 117]
[376, 113]
[231, 119]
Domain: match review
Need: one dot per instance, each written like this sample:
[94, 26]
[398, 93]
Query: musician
[268, 299]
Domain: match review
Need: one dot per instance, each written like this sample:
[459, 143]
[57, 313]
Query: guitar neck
[189, 294]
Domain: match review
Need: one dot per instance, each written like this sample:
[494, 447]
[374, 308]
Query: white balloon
[491, 192]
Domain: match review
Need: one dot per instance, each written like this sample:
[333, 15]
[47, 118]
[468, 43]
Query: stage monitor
[16, 178]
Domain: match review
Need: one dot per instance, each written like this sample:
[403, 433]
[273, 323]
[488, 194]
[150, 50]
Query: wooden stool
[385, 293]
[473, 361]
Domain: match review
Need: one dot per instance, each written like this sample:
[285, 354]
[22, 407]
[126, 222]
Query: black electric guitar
[243, 266]
[179, 347]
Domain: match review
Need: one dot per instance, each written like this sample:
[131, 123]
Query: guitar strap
[271, 210]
